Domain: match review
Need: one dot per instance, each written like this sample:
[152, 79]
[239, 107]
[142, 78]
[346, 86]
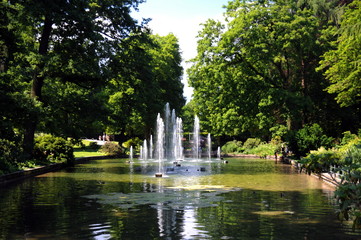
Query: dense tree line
[281, 64]
[287, 70]
[80, 68]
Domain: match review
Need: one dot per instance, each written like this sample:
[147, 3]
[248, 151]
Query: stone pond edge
[23, 174]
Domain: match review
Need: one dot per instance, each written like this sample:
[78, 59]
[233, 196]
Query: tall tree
[343, 62]
[67, 41]
[262, 70]
[152, 78]
[167, 70]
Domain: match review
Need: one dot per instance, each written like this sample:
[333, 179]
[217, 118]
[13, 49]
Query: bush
[132, 142]
[251, 143]
[320, 161]
[311, 137]
[348, 165]
[279, 131]
[50, 149]
[264, 150]
[233, 147]
[10, 155]
[349, 191]
[111, 148]
[348, 137]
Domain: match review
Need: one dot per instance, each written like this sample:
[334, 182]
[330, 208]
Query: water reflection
[191, 228]
[113, 199]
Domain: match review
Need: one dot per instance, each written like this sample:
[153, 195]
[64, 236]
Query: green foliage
[264, 149]
[342, 63]
[252, 146]
[279, 131]
[233, 147]
[132, 142]
[260, 70]
[135, 142]
[65, 72]
[351, 165]
[348, 141]
[349, 203]
[151, 78]
[51, 149]
[71, 110]
[348, 167]
[10, 155]
[188, 113]
[61, 57]
[348, 137]
[311, 137]
[251, 143]
[349, 191]
[111, 148]
[320, 161]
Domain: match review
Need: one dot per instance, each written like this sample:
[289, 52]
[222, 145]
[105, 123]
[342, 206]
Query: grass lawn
[79, 152]
[87, 150]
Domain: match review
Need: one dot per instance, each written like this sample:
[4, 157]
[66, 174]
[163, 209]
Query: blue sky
[182, 18]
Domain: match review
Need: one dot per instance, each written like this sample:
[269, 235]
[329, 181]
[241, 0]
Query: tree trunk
[37, 84]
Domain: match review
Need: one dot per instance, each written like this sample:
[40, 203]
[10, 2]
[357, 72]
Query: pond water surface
[114, 199]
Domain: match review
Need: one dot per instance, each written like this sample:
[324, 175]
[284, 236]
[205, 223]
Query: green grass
[87, 151]
[79, 152]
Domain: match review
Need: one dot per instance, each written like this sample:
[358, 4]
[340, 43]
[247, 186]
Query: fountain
[167, 131]
[151, 147]
[141, 152]
[196, 138]
[145, 150]
[209, 143]
[131, 154]
[177, 140]
[168, 144]
[219, 152]
[160, 145]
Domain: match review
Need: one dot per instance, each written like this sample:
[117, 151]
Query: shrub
[111, 148]
[251, 143]
[263, 150]
[320, 161]
[76, 142]
[348, 141]
[349, 145]
[349, 191]
[50, 149]
[279, 131]
[232, 147]
[132, 142]
[10, 154]
[348, 165]
[348, 137]
[311, 137]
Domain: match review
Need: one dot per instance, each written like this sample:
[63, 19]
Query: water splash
[209, 145]
[177, 140]
[131, 153]
[141, 152]
[145, 150]
[196, 139]
[160, 142]
[151, 147]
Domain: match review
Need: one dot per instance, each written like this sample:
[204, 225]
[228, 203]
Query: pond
[115, 199]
